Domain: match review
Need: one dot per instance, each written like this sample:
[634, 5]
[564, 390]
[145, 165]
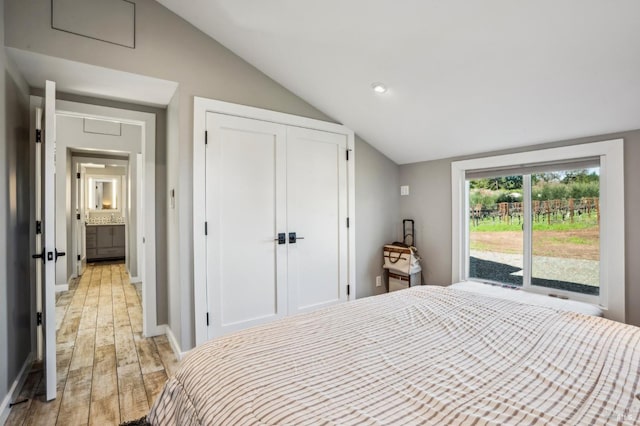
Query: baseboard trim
[15, 389]
[65, 286]
[174, 343]
[157, 330]
[134, 280]
[62, 287]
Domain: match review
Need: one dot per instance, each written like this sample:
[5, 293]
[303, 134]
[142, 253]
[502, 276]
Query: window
[548, 221]
[564, 217]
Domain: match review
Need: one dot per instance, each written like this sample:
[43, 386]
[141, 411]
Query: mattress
[530, 298]
[425, 355]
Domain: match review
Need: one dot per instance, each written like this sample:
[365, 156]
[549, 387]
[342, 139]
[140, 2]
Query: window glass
[565, 233]
[565, 240]
[495, 229]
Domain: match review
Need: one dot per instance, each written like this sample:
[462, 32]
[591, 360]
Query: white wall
[70, 134]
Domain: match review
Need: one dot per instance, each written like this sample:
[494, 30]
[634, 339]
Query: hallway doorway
[89, 129]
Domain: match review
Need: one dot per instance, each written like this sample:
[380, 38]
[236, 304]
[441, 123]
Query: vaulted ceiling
[463, 76]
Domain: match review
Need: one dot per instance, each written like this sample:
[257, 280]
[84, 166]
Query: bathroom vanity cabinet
[105, 241]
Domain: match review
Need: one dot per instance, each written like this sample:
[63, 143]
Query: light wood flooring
[107, 373]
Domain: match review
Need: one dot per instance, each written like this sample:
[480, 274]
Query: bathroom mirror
[104, 193]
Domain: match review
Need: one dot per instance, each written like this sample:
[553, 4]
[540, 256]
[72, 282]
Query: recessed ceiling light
[379, 88]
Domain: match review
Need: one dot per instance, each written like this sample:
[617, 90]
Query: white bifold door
[276, 219]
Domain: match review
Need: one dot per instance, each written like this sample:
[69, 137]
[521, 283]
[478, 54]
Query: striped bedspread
[426, 355]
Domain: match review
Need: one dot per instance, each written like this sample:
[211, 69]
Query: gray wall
[377, 213]
[15, 261]
[169, 48]
[430, 203]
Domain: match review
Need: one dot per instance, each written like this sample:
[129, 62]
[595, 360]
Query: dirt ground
[576, 244]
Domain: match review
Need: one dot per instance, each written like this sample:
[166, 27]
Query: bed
[426, 355]
[517, 295]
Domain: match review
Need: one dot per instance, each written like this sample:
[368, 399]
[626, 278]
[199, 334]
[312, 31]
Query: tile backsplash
[104, 217]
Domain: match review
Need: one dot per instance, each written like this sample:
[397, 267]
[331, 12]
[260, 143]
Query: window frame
[612, 238]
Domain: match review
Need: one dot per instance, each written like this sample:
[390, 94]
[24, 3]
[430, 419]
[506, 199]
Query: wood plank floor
[107, 373]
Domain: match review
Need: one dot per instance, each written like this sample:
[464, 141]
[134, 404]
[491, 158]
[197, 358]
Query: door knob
[281, 238]
[40, 256]
[293, 238]
[59, 254]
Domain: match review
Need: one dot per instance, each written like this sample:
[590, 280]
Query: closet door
[245, 211]
[316, 212]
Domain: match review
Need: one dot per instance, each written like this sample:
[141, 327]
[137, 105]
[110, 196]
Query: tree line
[574, 184]
[515, 182]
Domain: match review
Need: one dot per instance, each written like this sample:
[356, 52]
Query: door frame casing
[146, 250]
[202, 106]
[76, 185]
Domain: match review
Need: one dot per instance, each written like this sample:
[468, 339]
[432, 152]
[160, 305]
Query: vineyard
[551, 212]
[561, 228]
[565, 238]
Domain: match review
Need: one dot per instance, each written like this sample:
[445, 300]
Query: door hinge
[38, 135]
[348, 289]
[38, 227]
[78, 175]
[39, 318]
[206, 137]
[206, 228]
[78, 216]
[78, 257]
[348, 222]
[207, 319]
[348, 154]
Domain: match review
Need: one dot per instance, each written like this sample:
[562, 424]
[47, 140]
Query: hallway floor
[107, 372]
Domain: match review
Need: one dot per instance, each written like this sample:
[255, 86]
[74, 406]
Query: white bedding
[529, 298]
[422, 356]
